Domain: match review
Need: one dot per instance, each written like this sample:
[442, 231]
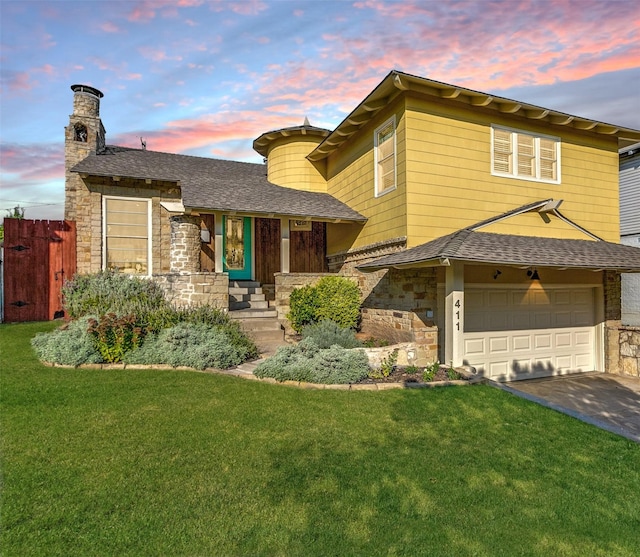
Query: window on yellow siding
[385, 156]
[126, 235]
[519, 154]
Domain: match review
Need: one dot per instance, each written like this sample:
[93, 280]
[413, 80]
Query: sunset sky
[207, 77]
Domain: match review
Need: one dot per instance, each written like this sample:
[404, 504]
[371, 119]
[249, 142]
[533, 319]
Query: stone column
[185, 244]
[454, 314]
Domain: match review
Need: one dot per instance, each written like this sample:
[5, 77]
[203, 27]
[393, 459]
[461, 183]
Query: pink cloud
[33, 161]
[156, 55]
[46, 69]
[480, 45]
[19, 81]
[109, 27]
[209, 131]
[247, 7]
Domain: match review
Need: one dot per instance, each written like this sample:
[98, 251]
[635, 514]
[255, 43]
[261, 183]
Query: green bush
[114, 336]
[194, 345]
[339, 301]
[304, 307]
[327, 333]
[163, 317]
[70, 345]
[112, 292]
[334, 298]
[307, 362]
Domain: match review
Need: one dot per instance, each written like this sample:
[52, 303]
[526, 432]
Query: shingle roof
[508, 249]
[215, 184]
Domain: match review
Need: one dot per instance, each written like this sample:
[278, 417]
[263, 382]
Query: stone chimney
[84, 134]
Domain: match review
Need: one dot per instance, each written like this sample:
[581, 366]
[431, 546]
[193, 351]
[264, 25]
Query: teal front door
[237, 247]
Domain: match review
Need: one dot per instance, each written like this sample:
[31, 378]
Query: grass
[183, 463]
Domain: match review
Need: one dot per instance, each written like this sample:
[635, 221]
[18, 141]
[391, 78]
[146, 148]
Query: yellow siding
[351, 180]
[450, 186]
[288, 166]
[341, 236]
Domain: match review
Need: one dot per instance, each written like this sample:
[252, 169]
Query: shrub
[304, 307]
[339, 301]
[307, 362]
[327, 333]
[194, 345]
[334, 298]
[163, 317]
[430, 371]
[70, 345]
[387, 366]
[112, 292]
[114, 336]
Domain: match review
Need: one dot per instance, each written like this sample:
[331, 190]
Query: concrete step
[246, 297]
[260, 324]
[251, 313]
[237, 306]
[244, 284]
[235, 291]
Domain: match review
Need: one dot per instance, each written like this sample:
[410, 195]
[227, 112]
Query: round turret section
[286, 153]
[86, 101]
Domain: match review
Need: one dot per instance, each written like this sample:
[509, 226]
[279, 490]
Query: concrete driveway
[611, 402]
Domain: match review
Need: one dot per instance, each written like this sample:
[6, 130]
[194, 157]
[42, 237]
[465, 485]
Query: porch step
[244, 284]
[261, 325]
[246, 295]
[247, 304]
[251, 313]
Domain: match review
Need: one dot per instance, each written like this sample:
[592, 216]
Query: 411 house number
[458, 306]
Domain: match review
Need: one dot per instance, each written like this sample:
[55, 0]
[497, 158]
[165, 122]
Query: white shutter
[548, 159]
[502, 151]
[526, 155]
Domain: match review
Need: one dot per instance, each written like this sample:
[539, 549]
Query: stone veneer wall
[398, 305]
[185, 244]
[395, 303]
[196, 289]
[629, 351]
[622, 343]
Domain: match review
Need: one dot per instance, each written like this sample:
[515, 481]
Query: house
[482, 229]
[630, 228]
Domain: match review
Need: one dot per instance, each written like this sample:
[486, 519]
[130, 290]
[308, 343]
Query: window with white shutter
[385, 157]
[519, 154]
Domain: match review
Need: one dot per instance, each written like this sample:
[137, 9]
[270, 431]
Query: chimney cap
[87, 89]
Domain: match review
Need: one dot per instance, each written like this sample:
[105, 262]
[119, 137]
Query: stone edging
[245, 371]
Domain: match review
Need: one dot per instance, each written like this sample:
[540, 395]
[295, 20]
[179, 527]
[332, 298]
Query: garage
[523, 333]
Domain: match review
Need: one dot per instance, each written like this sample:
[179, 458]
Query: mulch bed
[400, 375]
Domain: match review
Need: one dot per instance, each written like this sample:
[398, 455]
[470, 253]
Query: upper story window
[127, 236]
[524, 155]
[385, 157]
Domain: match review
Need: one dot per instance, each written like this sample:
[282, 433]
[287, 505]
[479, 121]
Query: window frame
[148, 201]
[537, 156]
[377, 162]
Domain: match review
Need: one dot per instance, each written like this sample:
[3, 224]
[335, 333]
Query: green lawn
[183, 463]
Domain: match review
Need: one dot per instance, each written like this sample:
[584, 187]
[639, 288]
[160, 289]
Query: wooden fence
[38, 256]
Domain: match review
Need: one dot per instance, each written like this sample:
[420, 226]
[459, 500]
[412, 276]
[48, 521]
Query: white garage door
[520, 334]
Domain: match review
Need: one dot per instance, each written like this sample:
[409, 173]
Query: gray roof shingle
[215, 184]
[508, 249]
